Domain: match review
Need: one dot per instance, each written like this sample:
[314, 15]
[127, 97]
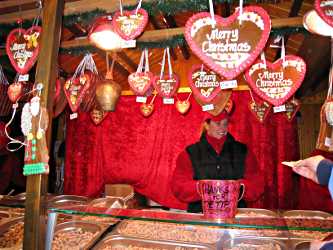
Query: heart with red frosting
[75, 90]
[14, 91]
[183, 106]
[292, 108]
[324, 8]
[22, 47]
[166, 86]
[140, 82]
[276, 82]
[146, 109]
[204, 83]
[130, 24]
[97, 115]
[260, 110]
[230, 46]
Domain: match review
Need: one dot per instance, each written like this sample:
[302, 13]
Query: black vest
[208, 165]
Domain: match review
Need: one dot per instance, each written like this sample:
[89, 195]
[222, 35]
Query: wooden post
[35, 210]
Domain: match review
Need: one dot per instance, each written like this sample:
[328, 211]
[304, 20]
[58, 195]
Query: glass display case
[83, 225]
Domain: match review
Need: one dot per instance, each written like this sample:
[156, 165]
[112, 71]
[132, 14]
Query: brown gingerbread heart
[183, 106]
[14, 91]
[147, 109]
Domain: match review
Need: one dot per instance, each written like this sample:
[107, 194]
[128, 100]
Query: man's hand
[308, 167]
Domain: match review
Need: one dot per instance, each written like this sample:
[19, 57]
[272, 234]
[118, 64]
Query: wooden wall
[309, 123]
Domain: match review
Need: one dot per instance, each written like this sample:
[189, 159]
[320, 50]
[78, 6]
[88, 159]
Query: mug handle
[198, 188]
[242, 192]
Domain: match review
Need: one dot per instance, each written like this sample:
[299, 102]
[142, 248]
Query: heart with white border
[324, 8]
[276, 82]
[204, 83]
[140, 82]
[22, 47]
[166, 86]
[130, 24]
[230, 46]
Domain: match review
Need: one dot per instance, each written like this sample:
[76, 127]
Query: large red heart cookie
[205, 84]
[229, 47]
[324, 8]
[279, 81]
[75, 90]
[260, 110]
[166, 86]
[140, 82]
[292, 108]
[22, 47]
[130, 25]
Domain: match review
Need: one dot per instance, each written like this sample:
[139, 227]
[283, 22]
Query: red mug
[219, 197]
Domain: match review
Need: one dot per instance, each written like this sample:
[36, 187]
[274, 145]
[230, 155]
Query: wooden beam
[159, 35]
[121, 55]
[35, 205]
[14, 3]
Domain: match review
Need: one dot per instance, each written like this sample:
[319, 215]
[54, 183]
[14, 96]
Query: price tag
[208, 107]
[141, 99]
[23, 78]
[128, 44]
[168, 101]
[228, 84]
[279, 109]
[73, 116]
[328, 142]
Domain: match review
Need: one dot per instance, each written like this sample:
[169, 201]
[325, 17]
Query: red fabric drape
[128, 148]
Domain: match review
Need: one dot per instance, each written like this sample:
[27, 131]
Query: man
[217, 155]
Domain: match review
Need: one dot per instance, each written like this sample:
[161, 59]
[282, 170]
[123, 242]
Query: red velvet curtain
[128, 148]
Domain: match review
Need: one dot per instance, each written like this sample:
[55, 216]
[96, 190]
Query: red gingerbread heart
[75, 90]
[140, 82]
[292, 108]
[276, 82]
[166, 86]
[324, 8]
[260, 110]
[205, 84]
[146, 109]
[14, 91]
[22, 47]
[229, 47]
[130, 24]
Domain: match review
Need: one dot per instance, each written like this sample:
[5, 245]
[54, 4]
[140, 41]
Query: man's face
[218, 129]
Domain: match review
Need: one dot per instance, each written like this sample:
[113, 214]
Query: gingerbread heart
[229, 47]
[166, 86]
[130, 24]
[292, 108]
[219, 102]
[183, 106]
[277, 82]
[75, 90]
[140, 82]
[147, 109]
[14, 91]
[324, 8]
[204, 83]
[260, 110]
[229, 106]
[97, 115]
[22, 47]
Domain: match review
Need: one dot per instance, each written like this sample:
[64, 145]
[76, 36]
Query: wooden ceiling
[314, 49]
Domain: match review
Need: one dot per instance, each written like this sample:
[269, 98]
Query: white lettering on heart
[206, 80]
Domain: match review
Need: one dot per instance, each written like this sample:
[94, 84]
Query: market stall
[129, 90]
